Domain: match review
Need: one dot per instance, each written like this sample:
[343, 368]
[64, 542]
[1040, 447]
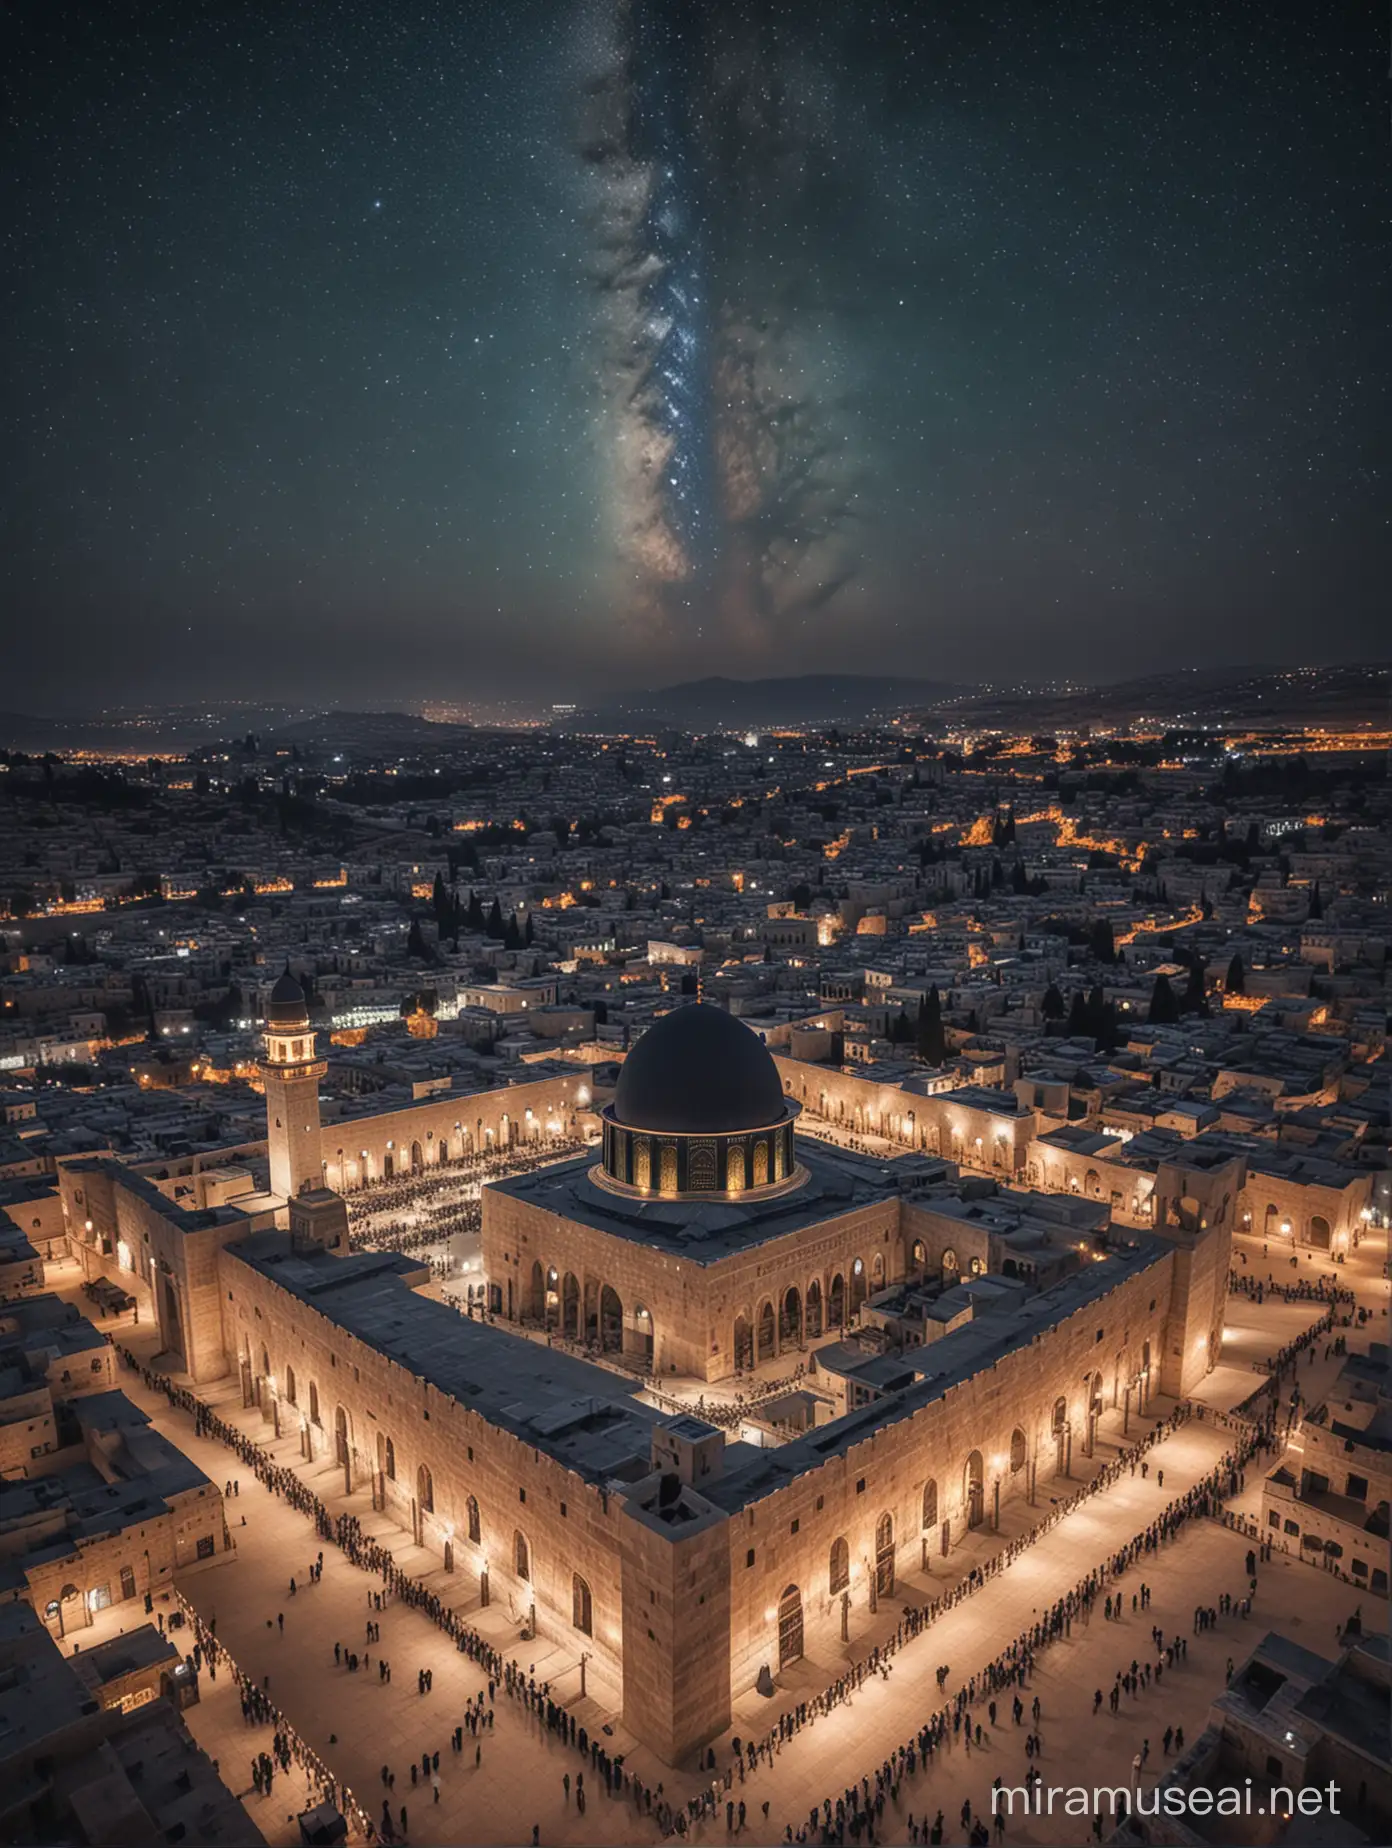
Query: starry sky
[369, 353]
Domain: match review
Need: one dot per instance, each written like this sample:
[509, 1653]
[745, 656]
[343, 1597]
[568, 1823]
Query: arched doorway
[768, 1337]
[877, 1273]
[535, 1305]
[1017, 1451]
[744, 1343]
[884, 1556]
[1319, 1232]
[340, 1435]
[930, 1517]
[581, 1605]
[425, 1490]
[610, 1319]
[857, 1286]
[839, 1566]
[641, 1335]
[836, 1302]
[814, 1309]
[789, 1626]
[591, 1328]
[973, 1489]
[1060, 1430]
[417, 1158]
[918, 1257]
[521, 1556]
[790, 1320]
[570, 1306]
[1093, 1384]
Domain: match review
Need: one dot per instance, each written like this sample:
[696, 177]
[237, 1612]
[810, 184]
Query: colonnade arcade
[587, 1309]
[348, 1169]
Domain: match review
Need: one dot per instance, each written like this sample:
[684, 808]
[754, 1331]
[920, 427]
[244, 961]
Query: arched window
[581, 1605]
[734, 1170]
[425, 1487]
[669, 1167]
[839, 1576]
[290, 1384]
[1017, 1450]
[949, 1259]
[521, 1555]
[920, 1254]
[474, 1525]
[265, 1361]
[642, 1165]
[313, 1403]
[700, 1167]
[930, 1505]
[1060, 1415]
[761, 1164]
[389, 1462]
[884, 1555]
[789, 1626]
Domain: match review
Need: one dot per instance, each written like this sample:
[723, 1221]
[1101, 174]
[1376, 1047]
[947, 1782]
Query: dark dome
[288, 1001]
[698, 1071]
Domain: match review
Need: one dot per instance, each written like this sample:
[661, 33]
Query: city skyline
[627, 344]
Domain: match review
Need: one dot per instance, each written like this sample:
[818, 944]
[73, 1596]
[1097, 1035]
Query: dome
[699, 1072]
[288, 1006]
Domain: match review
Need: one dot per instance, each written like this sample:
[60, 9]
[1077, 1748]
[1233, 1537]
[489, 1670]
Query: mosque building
[962, 1342]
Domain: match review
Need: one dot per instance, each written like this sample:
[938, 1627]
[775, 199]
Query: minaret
[291, 1073]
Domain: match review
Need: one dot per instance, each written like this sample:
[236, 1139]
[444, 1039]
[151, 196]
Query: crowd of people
[1007, 1669]
[858, 1809]
[1246, 1282]
[258, 1709]
[430, 1205]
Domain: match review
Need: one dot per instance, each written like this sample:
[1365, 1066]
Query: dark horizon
[565, 351]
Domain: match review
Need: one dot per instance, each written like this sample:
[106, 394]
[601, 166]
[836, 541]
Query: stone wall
[692, 1309]
[446, 1127]
[784, 1540]
[441, 1453]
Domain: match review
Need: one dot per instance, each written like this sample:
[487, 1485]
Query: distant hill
[719, 704]
[376, 730]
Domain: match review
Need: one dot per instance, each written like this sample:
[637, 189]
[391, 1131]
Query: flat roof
[582, 1415]
[705, 1231]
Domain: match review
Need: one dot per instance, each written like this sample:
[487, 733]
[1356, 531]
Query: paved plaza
[510, 1779]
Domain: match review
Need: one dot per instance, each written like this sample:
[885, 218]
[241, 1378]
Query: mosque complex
[953, 1339]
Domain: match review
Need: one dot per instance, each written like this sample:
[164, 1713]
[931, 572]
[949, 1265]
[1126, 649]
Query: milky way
[732, 464]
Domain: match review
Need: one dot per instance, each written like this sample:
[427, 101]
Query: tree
[1316, 902]
[494, 925]
[1195, 997]
[512, 936]
[1078, 1016]
[1101, 942]
[1164, 1003]
[529, 934]
[416, 944]
[932, 1041]
[440, 900]
[1052, 1006]
[1235, 982]
[474, 915]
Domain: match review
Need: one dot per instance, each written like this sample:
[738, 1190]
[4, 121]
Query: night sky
[370, 353]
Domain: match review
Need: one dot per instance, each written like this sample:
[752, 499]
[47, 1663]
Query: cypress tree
[932, 1041]
[1164, 1004]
